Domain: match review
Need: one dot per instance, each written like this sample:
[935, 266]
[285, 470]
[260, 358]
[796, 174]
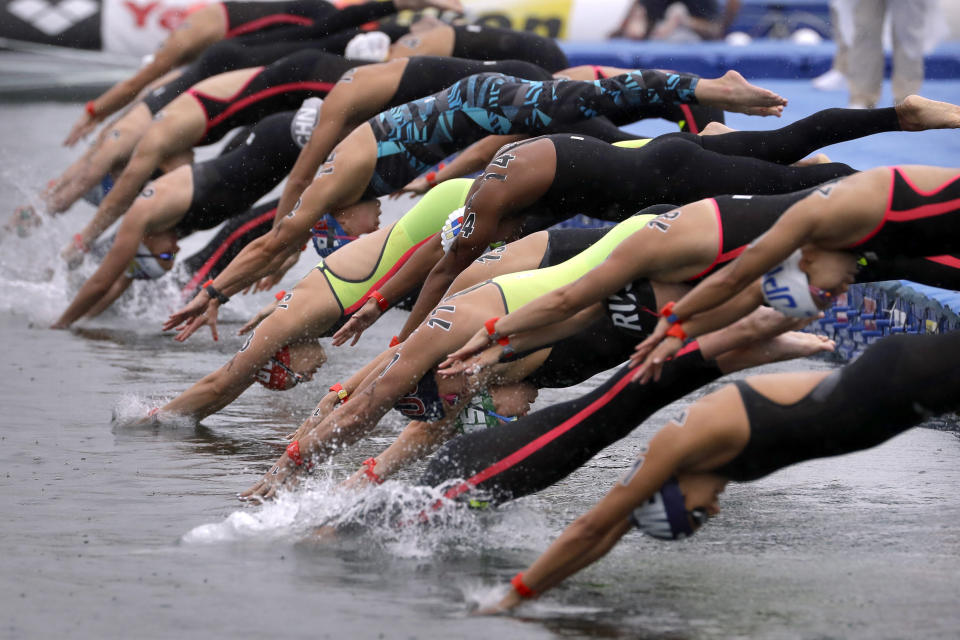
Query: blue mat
[760, 59]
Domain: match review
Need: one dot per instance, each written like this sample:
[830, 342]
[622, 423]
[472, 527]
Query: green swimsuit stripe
[520, 288]
[418, 225]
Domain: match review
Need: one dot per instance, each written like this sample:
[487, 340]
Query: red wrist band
[676, 331]
[521, 587]
[667, 312]
[278, 295]
[79, 244]
[340, 391]
[394, 341]
[432, 178]
[293, 452]
[381, 301]
[91, 109]
[368, 471]
[492, 332]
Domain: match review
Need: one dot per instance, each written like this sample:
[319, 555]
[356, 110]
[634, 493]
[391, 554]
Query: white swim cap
[786, 288]
[304, 120]
[373, 46]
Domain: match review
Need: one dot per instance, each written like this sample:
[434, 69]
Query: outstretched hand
[72, 255]
[650, 354]
[471, 366]
[81, 129]
[282, 475]
[359, 322]
[474, 345]
[198, 312]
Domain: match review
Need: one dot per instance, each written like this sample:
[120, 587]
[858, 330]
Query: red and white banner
[137, 27]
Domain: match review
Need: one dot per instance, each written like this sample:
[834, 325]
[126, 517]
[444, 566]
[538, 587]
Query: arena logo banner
[66, 23]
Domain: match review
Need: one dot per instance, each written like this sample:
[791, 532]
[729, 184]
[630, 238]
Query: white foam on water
[401, 519]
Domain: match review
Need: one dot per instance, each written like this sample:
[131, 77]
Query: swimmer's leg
[830, 126]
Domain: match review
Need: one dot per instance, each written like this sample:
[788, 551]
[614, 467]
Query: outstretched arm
[592, 535]
[410, 274]
[659, 347]
[196, 33]
[99, 284]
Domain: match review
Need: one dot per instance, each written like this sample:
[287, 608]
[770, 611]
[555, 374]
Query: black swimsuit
[491, 43]
[916, 223]
[322, 18]
[281, 86]
[232, 182]
[887, 390]
[424, 75]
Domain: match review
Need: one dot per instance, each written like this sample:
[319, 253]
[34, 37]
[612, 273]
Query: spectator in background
[841, 22]
[677, 20]
[911, 37]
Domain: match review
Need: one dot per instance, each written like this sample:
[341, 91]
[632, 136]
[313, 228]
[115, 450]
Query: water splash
[403, 520]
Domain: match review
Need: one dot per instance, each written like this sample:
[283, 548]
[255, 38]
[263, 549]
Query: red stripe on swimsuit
[202, 272]
[535, 445]
[269, 21]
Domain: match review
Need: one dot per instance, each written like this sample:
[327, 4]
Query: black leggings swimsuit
[232, 182]
[518, 458]
[281, 86]
[890, 388]
[609, 182]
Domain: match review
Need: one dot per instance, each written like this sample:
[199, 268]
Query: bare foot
[733, 93]
[917, 113]
[820, 158]
[797, 344]
[792, 344]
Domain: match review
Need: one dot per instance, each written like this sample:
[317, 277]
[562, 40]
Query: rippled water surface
[118, 532]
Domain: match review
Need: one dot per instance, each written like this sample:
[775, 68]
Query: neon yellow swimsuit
[632, 144]
[409, 232]
[520, 288]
